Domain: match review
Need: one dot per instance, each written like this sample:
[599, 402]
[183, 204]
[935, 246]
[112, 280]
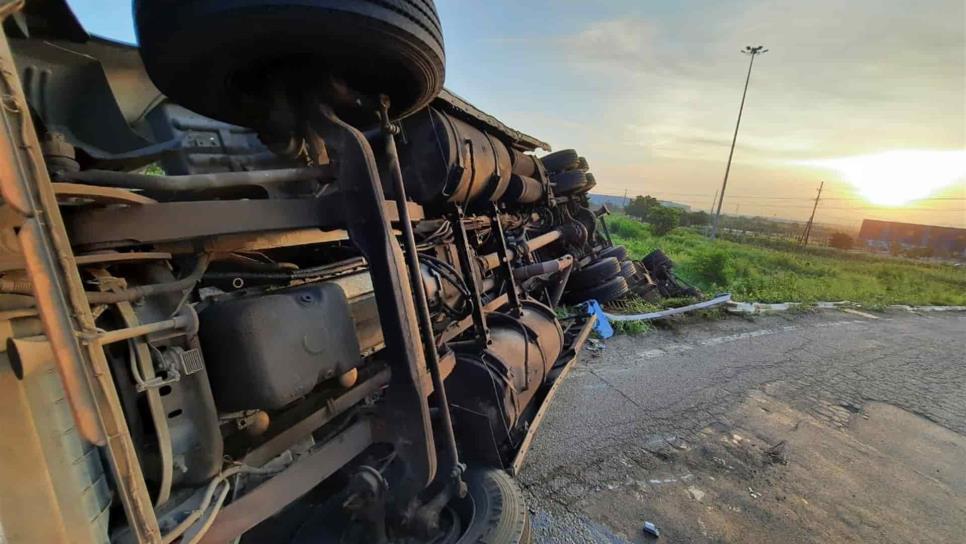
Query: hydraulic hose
[22, 287]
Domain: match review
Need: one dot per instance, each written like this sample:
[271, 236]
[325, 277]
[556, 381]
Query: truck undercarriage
[264, 279]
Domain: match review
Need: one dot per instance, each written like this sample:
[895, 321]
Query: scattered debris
[650, 316]
[759, 307]
[927, 308]
[651, 529]
[753, 308]
[677, 443]
[866, 315]
[696, 493]
[661, 270]
[594, 345]
[754, 494]
[776, 454]
[602, 326]
[850, 406]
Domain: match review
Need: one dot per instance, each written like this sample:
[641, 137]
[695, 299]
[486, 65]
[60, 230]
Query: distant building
[612, 202]
[882, 234]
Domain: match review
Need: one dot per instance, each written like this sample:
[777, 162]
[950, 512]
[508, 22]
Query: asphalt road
[652, 422]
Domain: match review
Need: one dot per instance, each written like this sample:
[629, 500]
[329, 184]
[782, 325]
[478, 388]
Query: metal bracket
[505, 265]
[61, 303]
[466, 264]
[406, 406]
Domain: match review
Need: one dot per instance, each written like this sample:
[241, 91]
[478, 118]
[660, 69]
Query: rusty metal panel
[60, 298]
[26, 488]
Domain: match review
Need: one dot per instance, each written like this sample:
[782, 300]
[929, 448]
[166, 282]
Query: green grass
[773, 274]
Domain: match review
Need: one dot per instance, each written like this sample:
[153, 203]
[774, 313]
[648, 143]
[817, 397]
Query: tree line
[663, 219]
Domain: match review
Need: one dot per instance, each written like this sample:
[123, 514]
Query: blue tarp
[602, 327]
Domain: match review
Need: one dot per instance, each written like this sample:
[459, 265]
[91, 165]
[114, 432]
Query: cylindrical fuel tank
[498, 381]
[447, 160]
[523, 189]
[523, 164]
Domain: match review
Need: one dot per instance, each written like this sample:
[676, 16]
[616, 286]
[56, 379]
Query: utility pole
[714, 200]
[753, 52]
[625, 198]
[808, 226]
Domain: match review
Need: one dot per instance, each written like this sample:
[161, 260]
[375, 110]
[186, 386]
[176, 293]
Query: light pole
[752, 52]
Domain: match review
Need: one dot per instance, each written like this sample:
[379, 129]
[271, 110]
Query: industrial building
[881, 235]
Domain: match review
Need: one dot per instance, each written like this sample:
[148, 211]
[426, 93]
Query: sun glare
[894, 178]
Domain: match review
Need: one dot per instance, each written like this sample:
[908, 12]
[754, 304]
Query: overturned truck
[264, 280]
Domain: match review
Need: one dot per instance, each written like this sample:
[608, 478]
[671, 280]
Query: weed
[777, 271]
[632, 328]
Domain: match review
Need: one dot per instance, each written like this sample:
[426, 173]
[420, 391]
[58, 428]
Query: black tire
[559, 161]
[569, 182]
[656, 260]
[628, 270]
[493, 512]
[591, 183]
[593, 275]
[582, 163]
[607, 292]
[500, 515]
[617, 252]
[223, 58]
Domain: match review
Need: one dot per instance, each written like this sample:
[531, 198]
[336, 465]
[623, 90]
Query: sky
[865, 95]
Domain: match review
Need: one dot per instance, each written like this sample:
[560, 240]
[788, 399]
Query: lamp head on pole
[754, 50]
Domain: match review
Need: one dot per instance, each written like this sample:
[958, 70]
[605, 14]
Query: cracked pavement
[656, 408]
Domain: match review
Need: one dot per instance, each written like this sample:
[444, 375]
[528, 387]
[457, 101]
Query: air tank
[446, 160]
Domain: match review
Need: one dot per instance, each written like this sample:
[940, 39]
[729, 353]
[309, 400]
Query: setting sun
[894, 178]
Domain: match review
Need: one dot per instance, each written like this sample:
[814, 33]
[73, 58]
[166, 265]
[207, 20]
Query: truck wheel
[655, 261]
[492, 512]
[565, 183]
[628, 269]
[610, 291]
[596, 273]
[228, 59]
[499, 514]
[617, 252]
[591, 183]
[558, 161]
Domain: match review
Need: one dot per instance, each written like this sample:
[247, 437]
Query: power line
[672, 193]
[798, 198]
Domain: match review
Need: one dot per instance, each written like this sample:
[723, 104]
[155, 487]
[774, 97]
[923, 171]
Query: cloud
[841, 77]
[654, 87]
[622, 43]
[695, 143]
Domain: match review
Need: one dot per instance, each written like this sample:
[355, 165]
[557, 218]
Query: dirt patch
[773, 473]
